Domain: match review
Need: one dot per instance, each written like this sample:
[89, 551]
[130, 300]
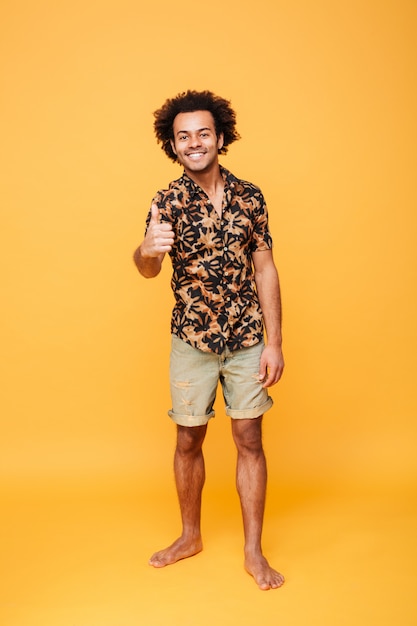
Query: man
[215, 228]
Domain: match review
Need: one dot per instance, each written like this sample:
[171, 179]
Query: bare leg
[189, 477]
[251, 478]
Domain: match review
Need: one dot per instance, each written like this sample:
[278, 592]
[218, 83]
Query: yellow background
[326, 101]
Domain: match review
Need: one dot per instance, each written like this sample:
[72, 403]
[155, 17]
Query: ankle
[252, 550]
[191, 536]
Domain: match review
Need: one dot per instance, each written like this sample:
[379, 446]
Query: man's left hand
[271, 366]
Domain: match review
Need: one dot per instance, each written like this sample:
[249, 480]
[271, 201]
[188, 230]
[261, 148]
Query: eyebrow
[198, 131]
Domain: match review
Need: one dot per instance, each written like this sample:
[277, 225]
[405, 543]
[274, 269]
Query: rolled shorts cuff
[190, 420]
[257, 411]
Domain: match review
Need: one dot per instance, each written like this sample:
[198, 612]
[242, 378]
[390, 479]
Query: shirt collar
[192, 188]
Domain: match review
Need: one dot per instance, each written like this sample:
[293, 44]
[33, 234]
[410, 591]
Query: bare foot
[180, 549]
[265, 576]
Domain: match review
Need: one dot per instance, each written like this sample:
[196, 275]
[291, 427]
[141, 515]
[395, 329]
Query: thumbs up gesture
[159, 237]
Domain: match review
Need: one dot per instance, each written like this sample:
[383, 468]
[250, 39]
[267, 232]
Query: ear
[220, 141]
[171, 141]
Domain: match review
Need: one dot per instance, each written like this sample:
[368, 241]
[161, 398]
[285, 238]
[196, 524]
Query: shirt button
[225, 248]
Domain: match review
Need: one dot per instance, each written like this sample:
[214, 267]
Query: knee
[190, 439]
[247, 436]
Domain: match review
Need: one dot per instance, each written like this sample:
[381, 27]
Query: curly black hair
[188, 102]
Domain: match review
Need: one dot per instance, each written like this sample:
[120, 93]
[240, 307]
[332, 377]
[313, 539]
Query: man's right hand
[159, 237]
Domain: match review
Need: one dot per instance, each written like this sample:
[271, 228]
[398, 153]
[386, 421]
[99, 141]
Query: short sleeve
[261, 238]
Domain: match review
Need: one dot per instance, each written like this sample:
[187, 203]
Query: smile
[195, 155]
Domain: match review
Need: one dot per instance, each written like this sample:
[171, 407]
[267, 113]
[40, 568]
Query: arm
[158, 240]
[268, 288]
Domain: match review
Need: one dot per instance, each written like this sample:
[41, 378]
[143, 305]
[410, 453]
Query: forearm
[148, 266]
[269, 294]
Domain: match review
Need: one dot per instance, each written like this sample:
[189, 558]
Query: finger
[268, 381]
[262, 373]
[155, 215]
[279, 374]
[271, 378]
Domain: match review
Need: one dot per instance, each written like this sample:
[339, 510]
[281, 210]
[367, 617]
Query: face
[195, 141]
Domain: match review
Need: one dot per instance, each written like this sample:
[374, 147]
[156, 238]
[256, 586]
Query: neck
[209, 181]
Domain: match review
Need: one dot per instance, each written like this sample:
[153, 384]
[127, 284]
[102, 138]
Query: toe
[277, 581]
[263, 584]
[156, 561]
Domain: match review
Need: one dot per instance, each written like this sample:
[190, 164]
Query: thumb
[155, 214]
[262, 371]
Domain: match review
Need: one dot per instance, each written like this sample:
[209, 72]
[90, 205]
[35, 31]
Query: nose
[195, 140]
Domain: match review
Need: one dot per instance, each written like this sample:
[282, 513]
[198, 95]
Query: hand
[159, 237]
[271, 366]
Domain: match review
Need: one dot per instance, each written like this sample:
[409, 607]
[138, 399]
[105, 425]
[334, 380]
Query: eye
[183, 137]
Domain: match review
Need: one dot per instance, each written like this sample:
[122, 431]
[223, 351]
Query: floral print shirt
[216, 304]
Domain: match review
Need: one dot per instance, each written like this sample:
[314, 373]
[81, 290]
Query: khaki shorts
[194, 376]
